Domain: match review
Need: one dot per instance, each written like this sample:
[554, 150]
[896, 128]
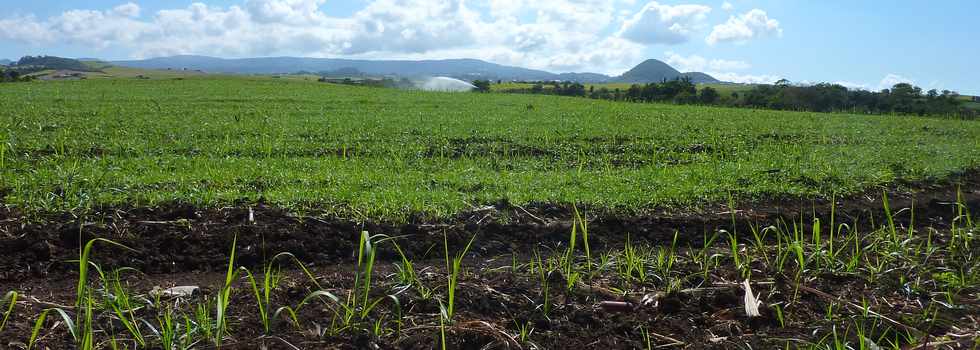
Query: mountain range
[467, 69]
[5, 62]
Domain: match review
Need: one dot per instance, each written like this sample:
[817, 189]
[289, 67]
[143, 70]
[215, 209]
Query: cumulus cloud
[695, 63]
[25, 29]
[724, 70]
[852, 85]
[285, 11]
[727, 6]
[557, 35]
[745, 78]
[573, 14]
[98, 29]
[664, 24]
[742, 28]
[127, 10]
[412, 26]
[891, 79]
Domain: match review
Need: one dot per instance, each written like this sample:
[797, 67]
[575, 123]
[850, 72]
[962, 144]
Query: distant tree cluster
[678, 91]
[37, 63]
[12, 76]
[481, 85]
[402, 83]
[902, 98]
[565, 88]
[568, 89]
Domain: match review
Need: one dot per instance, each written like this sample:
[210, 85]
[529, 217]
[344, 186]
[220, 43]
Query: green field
[386, 154]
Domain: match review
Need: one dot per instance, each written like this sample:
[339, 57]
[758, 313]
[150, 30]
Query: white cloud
[412, 26]
[727, 6]
[557, 35]
[127, 10]
[739, 29]
[852, 85]
[664, 24]
[891, 79]
[695, 63]
[285, 11]
[574, 14]
[720, 69]
[745, 78]
[25, 29]
[98, 29]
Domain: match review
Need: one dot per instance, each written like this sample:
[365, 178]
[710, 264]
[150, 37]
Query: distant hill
[29, 64]
[700, 78]
[343, 72]
[584, 77]
[649, 71]
[652, 71]
[469, 69]
[5, 62]
[466, 69]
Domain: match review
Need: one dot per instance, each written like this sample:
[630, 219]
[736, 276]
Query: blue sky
[867, 44]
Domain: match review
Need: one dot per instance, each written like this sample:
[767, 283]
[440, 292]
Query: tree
[12, 76]
[903, 97]
[570, 89]
[602, 94]
[685, 97]
[481, 85]
[709, 95]
[634, 93]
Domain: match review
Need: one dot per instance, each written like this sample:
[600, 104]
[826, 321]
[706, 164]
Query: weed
[270, 281]
[357, 306]
[454, 268]
[11, 300]
[408, 277]
[524, 331]
[223, 299]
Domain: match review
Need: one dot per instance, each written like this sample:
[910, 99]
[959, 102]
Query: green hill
[700, 78]
[655, 71]
[649, 71]
[32, 64]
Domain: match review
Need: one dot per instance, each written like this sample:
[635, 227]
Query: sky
[860, 44]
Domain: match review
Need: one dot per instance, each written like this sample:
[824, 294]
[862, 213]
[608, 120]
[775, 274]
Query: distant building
[976, 98]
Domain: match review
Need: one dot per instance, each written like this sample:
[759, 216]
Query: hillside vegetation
[37, 63]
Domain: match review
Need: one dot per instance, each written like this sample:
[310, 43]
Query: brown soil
[181, 245]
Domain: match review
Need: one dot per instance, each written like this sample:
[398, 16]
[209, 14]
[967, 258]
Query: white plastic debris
[751, 303]
[179, 291]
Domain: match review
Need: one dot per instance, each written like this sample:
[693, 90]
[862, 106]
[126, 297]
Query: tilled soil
[498, 295]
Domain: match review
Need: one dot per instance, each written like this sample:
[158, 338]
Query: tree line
[30, 64]
[681, 91]
[901, 98]
[13, 76]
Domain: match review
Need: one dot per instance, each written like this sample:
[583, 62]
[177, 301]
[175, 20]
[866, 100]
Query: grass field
[387, 154]
[261, 212]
